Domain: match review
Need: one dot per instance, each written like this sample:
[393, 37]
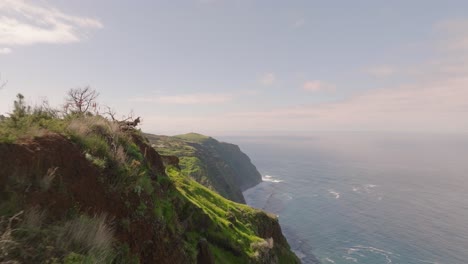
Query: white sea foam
[366, 188]
[386, 254]
[329, 260]
[335, 193]
[350, 258]
[269, 178]
[355, 251]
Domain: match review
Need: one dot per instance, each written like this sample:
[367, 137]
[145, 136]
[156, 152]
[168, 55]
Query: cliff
[81, 190]
[222, 167]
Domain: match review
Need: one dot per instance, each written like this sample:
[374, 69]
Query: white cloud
[186, 99]
[316, 86]
[380, 71]
[268, 79]
[5, 50]
[27, 23]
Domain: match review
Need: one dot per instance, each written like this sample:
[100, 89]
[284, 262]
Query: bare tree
[2, 84]
[110, 112]
[127, 123]
[81, 100]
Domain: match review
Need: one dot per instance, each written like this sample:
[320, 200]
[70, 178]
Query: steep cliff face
[244, 172]
[223, 167]
[89, 193]
[60, 192]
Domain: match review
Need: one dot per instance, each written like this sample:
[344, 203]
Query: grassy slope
[234, 235]
[229, 241]
[193, 137]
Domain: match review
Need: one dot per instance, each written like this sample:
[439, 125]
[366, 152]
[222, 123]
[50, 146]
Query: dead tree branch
[80, 100]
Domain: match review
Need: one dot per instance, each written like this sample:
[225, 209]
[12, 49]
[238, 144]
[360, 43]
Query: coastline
[300, 246]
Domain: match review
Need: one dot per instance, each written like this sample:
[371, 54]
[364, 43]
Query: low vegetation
[107, 198]
[26, 238]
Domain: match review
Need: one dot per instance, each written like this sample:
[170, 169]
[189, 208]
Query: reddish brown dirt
[171, 161]
[79, 187]
[153, 158]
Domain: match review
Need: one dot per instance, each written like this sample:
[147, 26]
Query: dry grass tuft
[120, 156]
[85, 125]
[90, 236]
[46, 181]
[7, 243]
[33, 218]
[79, 127]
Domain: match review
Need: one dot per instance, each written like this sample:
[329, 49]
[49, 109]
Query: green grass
[29, 126]
[233, 223]
[194, 137]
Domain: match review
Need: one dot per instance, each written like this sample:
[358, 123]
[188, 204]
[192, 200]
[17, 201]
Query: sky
[237, 67]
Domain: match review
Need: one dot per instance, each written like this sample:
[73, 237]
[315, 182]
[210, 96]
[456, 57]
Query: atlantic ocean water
[365, 197]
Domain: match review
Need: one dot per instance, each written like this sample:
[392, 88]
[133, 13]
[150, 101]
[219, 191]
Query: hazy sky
[245, 66]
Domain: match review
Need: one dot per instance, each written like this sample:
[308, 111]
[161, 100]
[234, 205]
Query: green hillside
[222, 167]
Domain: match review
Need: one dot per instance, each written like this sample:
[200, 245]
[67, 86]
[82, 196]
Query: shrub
[88, 236]
[29, 122]
[144, 183]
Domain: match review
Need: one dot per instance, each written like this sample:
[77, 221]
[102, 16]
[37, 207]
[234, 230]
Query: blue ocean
[365, 197]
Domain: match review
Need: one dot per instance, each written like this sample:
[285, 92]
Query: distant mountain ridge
[221, 166]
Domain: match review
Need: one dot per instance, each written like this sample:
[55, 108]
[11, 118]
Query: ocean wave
[353, 251]
[329, 260]
[351, 258]
[268, 178]
[359, 248]
[335, 193]
[366, 188]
